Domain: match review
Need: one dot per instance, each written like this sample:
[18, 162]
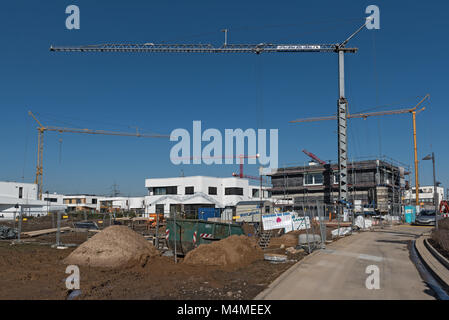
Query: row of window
[231, 191]
[316, 179]
[78, 201]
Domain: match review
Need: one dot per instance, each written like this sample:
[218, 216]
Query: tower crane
[314, 157]
[340, 48]
[41, 129]
[364, 116]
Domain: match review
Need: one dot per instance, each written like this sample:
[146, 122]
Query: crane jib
[189, 48]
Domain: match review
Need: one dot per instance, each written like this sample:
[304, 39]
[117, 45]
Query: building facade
[188, 194]
[121, 204]
[376, 184]
[16, 197]
[81, 202]
[426, 196]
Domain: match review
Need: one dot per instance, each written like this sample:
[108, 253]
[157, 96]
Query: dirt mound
[115, 246]
[233, 252]
[288, 240]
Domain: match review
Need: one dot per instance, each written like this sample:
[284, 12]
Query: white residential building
[106, 204]
[81, 202]
[426, 196]
[53, 202]
[167, 195]
[16, 197]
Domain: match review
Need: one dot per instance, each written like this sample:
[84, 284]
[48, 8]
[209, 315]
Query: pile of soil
[115, 246]
[288, 240]
[231, 253]
[291, 239]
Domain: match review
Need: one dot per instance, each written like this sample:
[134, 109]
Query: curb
[430, 260]
[274, 284]
[436, 254]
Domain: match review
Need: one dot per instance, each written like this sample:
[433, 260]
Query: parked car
[426, 217]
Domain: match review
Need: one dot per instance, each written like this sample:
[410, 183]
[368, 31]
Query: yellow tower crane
[40, 143]
[413, 111]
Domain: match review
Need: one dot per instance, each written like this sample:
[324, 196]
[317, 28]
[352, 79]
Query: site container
[190, 233]
[206, 213]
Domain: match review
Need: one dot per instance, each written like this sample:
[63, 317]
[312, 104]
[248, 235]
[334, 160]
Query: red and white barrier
[206, 236]
[194, 238]
[167, 234]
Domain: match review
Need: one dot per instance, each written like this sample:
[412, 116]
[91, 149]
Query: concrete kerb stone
[436, 254]
[430, 260]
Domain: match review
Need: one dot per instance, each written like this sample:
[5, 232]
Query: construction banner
[278, 221]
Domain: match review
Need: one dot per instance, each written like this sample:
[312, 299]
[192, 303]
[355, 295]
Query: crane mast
[339, 48]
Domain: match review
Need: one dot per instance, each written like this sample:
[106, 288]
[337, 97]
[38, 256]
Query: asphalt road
[340, 271]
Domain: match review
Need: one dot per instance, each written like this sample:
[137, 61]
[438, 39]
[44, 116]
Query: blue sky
[395, 66]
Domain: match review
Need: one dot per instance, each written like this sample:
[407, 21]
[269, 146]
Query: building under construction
[372, 185]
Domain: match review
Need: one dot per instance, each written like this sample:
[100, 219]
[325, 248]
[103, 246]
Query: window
[165, 190]
[94, 201]
[267, 209]
[78, 201]
[159, 208]
[234, 191]
[20, 192]
[255, 193]
[213, 191]
[190, 190]
[51, 199]
[313, 179]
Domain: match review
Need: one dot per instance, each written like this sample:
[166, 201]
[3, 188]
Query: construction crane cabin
[339, 48]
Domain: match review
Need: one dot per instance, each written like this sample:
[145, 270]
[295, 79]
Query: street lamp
[435, 194]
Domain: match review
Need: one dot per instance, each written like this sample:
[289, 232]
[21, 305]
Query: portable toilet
[410, 214]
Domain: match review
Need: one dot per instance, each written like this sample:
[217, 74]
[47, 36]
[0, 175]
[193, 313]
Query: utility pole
[435, 194]
[261, 197]
[415, 147]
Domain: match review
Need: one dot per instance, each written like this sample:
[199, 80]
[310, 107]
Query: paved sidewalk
[339, 272]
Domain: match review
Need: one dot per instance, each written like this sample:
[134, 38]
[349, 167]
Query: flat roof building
[372, 183]
[187, 194]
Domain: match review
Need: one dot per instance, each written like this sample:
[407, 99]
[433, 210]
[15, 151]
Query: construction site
[195, 230]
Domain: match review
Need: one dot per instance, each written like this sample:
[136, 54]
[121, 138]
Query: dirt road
[339, 272]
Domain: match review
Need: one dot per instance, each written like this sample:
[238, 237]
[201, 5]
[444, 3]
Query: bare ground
[36, 271]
